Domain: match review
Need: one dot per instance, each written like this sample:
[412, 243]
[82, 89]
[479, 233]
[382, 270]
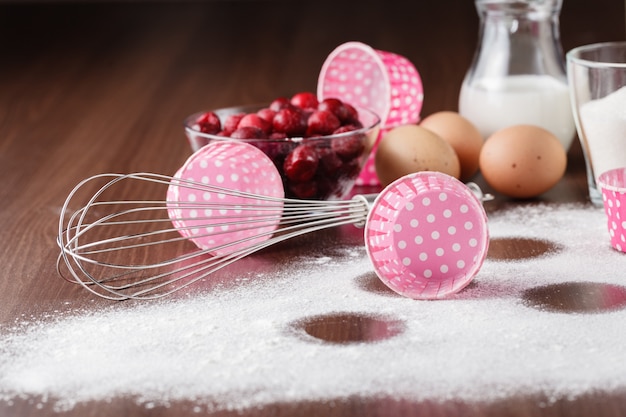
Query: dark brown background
[103, 87]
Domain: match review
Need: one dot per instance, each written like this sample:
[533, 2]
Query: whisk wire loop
[141, 249]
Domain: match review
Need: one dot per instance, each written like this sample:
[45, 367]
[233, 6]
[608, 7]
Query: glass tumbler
[597, 82]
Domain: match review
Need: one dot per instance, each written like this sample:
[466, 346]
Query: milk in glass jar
[518, 72]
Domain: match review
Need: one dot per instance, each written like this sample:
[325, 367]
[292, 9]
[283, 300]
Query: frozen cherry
[279, 104]
[248, 132]
[209, 123]
[301, 164]
[346, 128]
[278, 135]
[255, 120]
[348, 147]
[278, 151]
[290, 121]
[232, 122]
[267, 114]
[305, 100]
[336, 107]
[353, 114]
[330, 163]
[350, 169]
[322, 122]
[307, 189]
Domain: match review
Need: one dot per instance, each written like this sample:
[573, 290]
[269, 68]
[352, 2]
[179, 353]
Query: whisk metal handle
[367, 201]
[480, 195]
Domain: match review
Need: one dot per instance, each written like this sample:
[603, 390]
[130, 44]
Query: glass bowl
[333, 162]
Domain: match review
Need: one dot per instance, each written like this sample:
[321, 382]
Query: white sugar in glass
[597, 82]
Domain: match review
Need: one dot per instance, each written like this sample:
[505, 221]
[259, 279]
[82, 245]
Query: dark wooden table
[89, 88]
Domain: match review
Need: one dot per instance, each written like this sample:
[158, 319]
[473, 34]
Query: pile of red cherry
[290, 131]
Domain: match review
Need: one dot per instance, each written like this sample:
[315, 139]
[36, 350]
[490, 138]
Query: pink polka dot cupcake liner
[613, 187]
[435, 244]
[210, 214]
[381, 81]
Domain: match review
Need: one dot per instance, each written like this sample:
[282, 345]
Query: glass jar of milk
[518, 72]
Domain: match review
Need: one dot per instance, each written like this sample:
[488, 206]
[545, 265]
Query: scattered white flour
[236, 347]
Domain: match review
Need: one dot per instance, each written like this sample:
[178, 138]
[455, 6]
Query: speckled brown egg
[462, 134]
[522, 161]
[410, 148]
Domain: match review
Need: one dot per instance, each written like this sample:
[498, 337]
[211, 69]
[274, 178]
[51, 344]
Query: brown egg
[461, 134]
[522, 161]
[411, 148]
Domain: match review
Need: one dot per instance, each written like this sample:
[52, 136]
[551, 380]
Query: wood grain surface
[103, 87]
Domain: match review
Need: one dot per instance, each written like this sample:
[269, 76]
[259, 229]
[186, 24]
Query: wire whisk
[230, 204]
[142, 249]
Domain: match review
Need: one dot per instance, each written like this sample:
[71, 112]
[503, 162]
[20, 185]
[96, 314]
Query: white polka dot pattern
[426, 235]
[382, 81]
[215, 219]
[368, 173]
[613, 187]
